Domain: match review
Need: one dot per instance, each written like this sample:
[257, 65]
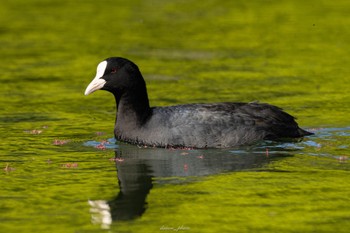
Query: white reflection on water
[100, 213]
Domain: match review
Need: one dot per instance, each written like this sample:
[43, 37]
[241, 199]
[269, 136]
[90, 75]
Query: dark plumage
[217, 125]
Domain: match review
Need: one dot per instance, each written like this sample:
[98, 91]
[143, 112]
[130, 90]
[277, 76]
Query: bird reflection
[137, 168]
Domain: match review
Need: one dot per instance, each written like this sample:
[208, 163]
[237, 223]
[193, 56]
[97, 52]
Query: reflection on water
[138, 169]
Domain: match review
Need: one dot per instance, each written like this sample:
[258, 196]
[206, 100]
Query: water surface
[62, 171]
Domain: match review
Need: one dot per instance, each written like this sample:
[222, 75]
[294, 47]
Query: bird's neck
[132, 107]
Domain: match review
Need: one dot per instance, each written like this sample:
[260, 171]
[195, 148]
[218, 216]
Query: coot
[214, 125]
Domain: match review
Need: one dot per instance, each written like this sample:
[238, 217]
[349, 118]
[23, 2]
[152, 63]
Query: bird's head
[116, 75]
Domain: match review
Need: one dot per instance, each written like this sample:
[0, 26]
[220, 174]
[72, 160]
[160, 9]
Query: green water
[294, 54]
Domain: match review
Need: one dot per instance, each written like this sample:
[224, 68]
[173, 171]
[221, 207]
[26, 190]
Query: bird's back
[218, 125]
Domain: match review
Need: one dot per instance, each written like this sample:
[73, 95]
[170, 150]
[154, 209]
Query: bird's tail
[303, 133]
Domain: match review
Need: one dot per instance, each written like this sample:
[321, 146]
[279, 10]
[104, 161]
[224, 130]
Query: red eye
[114, 70]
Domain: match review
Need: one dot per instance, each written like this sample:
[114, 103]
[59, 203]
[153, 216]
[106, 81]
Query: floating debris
[342, 159]
[117, 159]
[185, 167]
[70, 165]
[101, 146]
[34, 131]
[58, 142]
[8, 168]
[178, 148]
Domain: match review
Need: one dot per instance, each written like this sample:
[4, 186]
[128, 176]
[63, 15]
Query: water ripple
[104, 144]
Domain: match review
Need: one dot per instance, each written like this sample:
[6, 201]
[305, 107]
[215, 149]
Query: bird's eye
[114, 70]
